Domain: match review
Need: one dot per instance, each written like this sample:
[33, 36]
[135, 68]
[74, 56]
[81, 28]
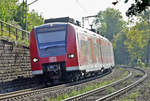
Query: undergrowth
[88, 88]
[12, 38]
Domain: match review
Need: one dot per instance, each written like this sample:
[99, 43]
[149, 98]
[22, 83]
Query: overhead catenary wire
[85, 11]
[32, 2]
[81, 6]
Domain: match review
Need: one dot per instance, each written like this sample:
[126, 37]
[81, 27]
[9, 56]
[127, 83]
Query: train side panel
[94, 52]
[89, 53]
[112, 56]
[107, 54]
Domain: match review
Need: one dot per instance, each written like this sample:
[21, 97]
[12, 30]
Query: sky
[74, 8]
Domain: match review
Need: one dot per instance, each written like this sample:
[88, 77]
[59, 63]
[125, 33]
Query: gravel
[115, 74]
[140, 92]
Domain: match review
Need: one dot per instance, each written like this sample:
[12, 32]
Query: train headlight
[35, 59]
[71, 55]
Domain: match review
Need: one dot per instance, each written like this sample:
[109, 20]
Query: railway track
[101, 94]
[21, 94]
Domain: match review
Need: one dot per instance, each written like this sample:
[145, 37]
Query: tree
[19, 15]
[13, 12]
[109, 22]
[145, 16]
[7, 9]
[137, 7]
[111, 25]
[136, 42]
[34, 19]
[120, 51]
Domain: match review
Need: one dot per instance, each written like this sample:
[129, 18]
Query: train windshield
[52, 43]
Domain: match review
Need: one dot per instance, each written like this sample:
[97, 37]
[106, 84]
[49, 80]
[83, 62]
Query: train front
[48, 50]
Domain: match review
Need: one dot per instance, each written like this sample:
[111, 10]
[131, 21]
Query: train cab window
[51, 43]
[48, 37]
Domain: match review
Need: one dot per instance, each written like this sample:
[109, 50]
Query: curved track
[30, 92]
[100, 93]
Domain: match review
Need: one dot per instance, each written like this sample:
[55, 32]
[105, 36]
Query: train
[62, 50]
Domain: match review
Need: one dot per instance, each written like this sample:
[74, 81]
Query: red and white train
[62, 50]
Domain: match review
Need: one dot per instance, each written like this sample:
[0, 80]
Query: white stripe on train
[37, 72]
[88, 68]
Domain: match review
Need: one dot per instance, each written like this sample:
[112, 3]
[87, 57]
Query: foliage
[15, 13]
[19, 15]
[89, 88]
[7, 9]
[131, 97]
[131, 44]
[109, 22]
[144, 16]
[120, 51]
[111, 25]
[136, 42]
[34, 20]
[110, 90]
[137, 7]
[11, 10]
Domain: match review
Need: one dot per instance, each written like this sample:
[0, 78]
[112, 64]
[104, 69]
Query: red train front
[55, 50]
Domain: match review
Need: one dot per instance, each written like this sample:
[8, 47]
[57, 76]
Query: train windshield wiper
[51, 46]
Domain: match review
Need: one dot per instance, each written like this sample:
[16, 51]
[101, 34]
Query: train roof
[89, 32]
[75, 26]
[48, 24]
[65, 21]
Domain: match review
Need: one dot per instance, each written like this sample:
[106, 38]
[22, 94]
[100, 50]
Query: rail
[112, 95]
[32, 92]
[125, 89]
[86, 94]
[15, 33]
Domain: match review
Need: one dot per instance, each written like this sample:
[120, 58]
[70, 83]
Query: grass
[110, 90]
[148, 84]
[121, 69]
[7, 35]
[131, 97]
[12, 38]
[127, 100]
[138, 75]
[88, 88]
[127, 82]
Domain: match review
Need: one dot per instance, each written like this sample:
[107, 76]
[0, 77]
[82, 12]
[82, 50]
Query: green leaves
[34, 20]
[111, 25]
[137, 39]
[137, 7]
[13, 13]
[131, 44]
[7, 9]
[109, 22]
[126, 1]
[11, 10]
[139, 42]
[121, 52]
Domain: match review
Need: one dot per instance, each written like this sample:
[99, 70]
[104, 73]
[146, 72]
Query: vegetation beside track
[12, 38]
[16, 20]
[88, 88]
[131, 97]
[139, 93]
